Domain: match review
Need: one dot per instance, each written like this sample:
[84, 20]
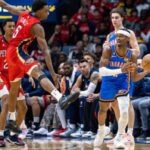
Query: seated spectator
[142, 44]
[141, 104]
[64, 26]
[88, 45]
[75, 34]
[55, 39]
[142, 5]
[98, 52]
[85, 26]
[77, 52]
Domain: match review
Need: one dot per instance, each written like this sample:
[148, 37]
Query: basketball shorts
[19, 63]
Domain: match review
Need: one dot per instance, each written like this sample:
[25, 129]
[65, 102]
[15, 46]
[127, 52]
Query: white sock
[61, 115]
[12, 133]
[101, 129]
[1, 132]
[130, 131]
[36, 119]
[56, 94]
[72, 126]
[12, 115]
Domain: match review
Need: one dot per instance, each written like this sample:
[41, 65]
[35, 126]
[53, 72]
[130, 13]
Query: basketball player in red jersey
[20, 63]
[8, 28]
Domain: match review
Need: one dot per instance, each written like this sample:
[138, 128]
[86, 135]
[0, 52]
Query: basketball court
[68, 144]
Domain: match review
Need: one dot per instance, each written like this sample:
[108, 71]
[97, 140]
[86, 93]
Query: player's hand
[126, 67]
[31, 80]
[91, 97]
[56, 79]
[106, 45]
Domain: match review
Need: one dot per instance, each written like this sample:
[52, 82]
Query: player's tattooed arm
[12, 9]
[94, 78]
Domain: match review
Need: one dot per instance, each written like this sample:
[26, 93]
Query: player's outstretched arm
[12, 9]
[134, 75]
[38, 31]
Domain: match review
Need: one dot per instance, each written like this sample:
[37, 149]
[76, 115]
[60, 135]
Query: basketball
[146, 62]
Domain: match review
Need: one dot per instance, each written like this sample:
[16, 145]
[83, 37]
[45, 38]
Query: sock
[61, 115]
[101, 131]
[36, 119]
[1, 132]
[12, 133]
[56, 94]
[12, 115]
[72, 126]
[130, 131]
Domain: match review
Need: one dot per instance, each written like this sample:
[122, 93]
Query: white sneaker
[78, 133]
[41, 131]
[23, 134]
[129, 138]
[99, 138]
[107, 130]
[52, 132]
[88, 134]
[119, 142]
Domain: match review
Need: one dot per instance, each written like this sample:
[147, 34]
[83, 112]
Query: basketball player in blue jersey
[117, 67]
[117, 21]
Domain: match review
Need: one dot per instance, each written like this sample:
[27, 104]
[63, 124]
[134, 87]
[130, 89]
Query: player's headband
[123, 32]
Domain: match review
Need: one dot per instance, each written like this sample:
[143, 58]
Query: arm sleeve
[109, 72]
[91, 89]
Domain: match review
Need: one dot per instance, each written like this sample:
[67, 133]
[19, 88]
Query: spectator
[75, 34]
[64, 26]
[77, 53]
[88, 46]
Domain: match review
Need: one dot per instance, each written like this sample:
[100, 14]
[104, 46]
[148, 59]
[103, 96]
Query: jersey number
[17, 31]
[5, 64]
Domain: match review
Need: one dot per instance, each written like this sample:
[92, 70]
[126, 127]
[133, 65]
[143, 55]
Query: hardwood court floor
[64, 144]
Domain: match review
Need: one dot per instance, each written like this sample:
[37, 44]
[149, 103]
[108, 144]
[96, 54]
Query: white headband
[126, 33]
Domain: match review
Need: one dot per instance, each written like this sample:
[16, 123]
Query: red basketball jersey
[3, 63]
[22, 37]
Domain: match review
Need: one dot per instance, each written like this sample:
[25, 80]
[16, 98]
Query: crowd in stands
[76, 48]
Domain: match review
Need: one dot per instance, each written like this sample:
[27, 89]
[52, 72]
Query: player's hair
[4, 23]
[68, 63]
[38, 4]
[90, 54]
[7, 20]
[82, 61]
[119, 11]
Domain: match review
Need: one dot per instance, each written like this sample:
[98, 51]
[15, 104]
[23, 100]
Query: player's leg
[101, 120]
[3, 116]
[36, 110]
[49, 87]
[131, 114]
[21, 110]
[123, 103]
[13, 93]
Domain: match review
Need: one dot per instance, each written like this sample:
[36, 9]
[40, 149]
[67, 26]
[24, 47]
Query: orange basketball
[146, 62]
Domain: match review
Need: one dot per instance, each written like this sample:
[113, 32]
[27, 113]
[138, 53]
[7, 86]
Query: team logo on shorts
[29, 61]
[122, 91]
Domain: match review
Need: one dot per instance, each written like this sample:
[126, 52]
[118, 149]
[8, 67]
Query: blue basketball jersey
[113, 86]
[112, 38]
